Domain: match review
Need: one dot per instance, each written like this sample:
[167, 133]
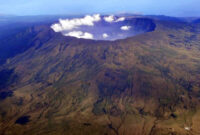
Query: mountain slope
[143, 85]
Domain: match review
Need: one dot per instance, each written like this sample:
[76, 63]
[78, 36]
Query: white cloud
[73, 27]
[125, 27]
[120, 19]
[112, 18]
[69, 24]
[109, 19]
[80, 34]
[105, 35]
[57, 27]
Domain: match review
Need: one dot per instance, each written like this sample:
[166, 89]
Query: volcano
[136, 75]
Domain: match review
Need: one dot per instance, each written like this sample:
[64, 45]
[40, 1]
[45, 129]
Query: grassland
[143, 85]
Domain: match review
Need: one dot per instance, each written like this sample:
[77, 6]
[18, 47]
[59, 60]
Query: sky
[71, 7]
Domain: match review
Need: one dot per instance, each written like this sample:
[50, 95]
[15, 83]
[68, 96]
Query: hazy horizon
[180, 8]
